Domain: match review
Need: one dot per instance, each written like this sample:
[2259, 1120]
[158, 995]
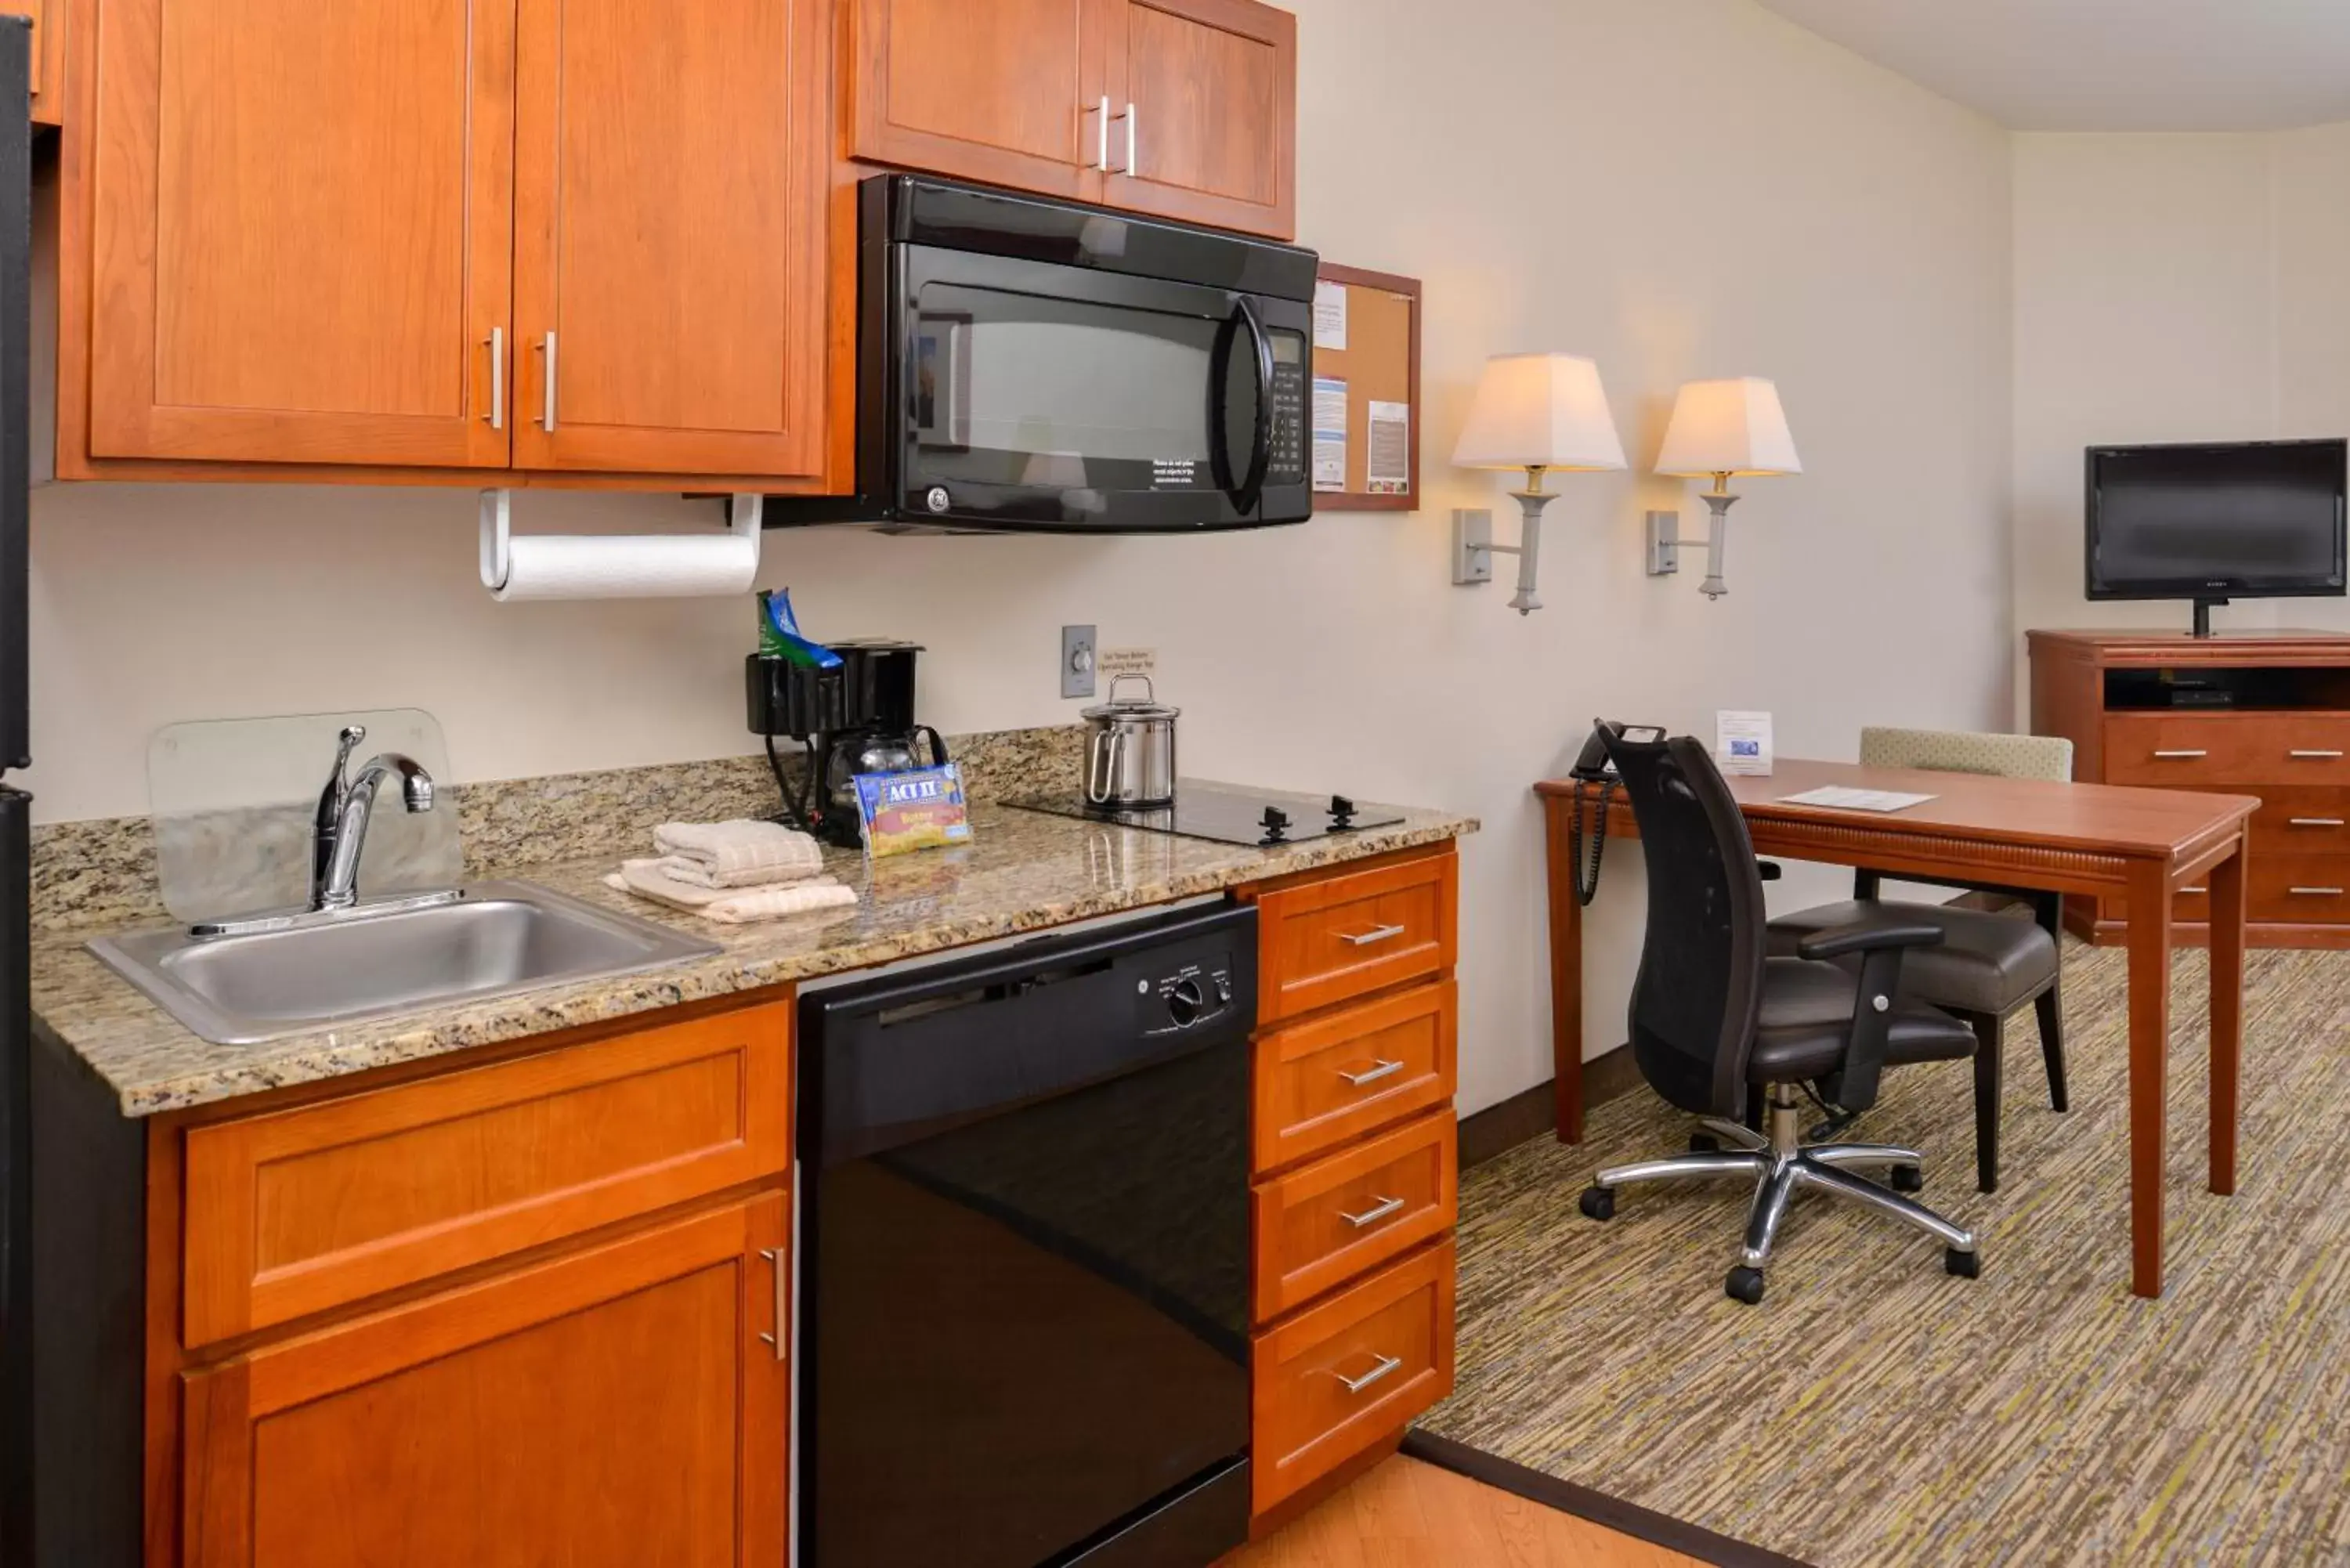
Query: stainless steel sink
[297, 973]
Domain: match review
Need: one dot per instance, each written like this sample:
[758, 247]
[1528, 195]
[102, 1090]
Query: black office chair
[1714, 1019]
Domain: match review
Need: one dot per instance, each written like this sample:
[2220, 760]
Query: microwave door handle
[1261, 448]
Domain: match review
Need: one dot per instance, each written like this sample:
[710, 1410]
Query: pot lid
[1117, 707]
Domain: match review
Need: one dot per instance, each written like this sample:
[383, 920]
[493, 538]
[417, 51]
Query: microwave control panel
[1288, 461]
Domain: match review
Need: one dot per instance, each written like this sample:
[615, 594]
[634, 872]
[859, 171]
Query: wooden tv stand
[2260, 714]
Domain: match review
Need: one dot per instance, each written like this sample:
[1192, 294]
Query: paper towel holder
[743, 513]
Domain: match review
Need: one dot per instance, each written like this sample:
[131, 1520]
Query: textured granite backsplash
[102, 875]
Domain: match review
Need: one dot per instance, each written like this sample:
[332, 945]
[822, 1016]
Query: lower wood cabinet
[1340, 1377]
[623, 1407]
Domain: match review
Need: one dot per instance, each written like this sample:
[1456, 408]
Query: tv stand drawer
[2188, 750]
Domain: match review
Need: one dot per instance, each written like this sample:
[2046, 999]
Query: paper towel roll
[616, 567]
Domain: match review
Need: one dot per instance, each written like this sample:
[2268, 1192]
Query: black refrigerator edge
[15, 832]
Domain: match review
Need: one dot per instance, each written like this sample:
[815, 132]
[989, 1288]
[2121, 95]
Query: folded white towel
[733, 852]
[697, 874]
[644, 878]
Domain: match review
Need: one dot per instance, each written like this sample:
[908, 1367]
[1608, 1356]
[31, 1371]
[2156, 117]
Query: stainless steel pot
[1130, 751]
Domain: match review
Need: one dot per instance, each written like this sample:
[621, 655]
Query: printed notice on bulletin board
[1330, 433]
[1329, 314]
[1387, 456]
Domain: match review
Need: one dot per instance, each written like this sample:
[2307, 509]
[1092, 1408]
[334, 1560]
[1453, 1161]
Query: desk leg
[1566, 973]
[2227, 1012]
[2149, 1044]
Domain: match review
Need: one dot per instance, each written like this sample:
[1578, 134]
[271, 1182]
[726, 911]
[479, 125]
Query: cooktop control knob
[1186, 1003]
[1276, 823]
[1341, 811]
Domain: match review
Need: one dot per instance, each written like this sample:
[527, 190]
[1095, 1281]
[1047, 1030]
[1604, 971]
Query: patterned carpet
[1874, 1411]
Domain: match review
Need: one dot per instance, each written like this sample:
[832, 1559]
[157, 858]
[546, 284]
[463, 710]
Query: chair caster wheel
[1598, 1202]
[1966, 1265]
[1704, 1143]
[1906, 1179]
[1744, 1284]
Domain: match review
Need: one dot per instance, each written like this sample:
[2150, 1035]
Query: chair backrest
[1966, 751]
[1700, 979]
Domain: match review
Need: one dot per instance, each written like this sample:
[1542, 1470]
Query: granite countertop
[1023, 871]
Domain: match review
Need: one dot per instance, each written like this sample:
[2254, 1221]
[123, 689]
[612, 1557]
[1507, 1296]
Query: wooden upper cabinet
[670, 212]
[46, 16]
[1208, 89]
[301, 229]
[612, 1409]
[1003, 91]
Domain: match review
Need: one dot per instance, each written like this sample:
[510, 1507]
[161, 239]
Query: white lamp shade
[1539, 411]
[1728, 426]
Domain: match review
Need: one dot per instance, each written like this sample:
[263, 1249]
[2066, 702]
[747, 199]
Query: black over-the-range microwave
[1034, 366]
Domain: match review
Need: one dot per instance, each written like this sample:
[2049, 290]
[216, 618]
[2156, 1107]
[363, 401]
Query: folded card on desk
[1839, 799]
[1742, 744]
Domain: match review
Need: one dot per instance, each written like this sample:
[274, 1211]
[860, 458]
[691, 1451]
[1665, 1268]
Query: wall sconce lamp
[1719, 430]
[1535, 411]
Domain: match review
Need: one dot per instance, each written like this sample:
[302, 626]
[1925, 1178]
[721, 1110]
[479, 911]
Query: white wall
[1680, 188]
[2180, 288]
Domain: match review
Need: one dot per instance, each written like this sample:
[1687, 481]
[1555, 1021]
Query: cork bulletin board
[1377, 374]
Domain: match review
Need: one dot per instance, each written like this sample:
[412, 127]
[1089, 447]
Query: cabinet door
[1205, 95]
[615, 1409]
[301, 230]
[1001, 90]
[669, 211]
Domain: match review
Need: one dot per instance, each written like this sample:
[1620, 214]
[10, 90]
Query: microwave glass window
[1009, 388]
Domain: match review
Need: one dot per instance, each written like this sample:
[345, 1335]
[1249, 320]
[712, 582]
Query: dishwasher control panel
[1186, 997]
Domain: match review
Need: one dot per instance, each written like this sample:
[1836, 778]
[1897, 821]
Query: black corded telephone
[1595, 784]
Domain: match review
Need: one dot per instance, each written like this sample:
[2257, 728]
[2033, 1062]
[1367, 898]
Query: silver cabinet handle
[1373, 1214]
[1372, 1074]
[1387, 1364]
[1133, 167]
[2316, 822]
[2313, 756]
[2194, 890]
[1101, 144]
[546, 420]
[2178, 756]
[497, 342]
[775, 1256]
[2314, 892]
[1371, 938]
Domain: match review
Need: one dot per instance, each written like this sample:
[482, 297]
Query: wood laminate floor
[1409, 1514]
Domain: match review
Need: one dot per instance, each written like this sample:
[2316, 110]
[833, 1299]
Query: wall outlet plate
[1471, 565]
[1077, 662]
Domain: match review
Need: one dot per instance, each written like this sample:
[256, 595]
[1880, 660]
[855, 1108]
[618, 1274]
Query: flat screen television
[2215, 522]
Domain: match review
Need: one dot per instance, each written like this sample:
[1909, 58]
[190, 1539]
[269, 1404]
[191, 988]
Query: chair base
[1778, 1164]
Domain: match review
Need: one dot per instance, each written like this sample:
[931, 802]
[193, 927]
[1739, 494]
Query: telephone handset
[1594, 785]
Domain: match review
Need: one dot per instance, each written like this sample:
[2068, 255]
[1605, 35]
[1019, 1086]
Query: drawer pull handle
[1387, 1364]
[2314, 892]
[778, 1257]
[2179, 756]
[1373, 1214]
[1383, 1068]
[2316, 822]
[2314, 756]
[2195, 889]
[1371, 938]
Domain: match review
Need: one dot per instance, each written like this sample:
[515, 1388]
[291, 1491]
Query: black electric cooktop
[1263, 818]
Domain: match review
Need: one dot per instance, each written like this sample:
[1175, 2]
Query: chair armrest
[1868, 936]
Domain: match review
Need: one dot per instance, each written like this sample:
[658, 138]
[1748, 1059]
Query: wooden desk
[2090, 839]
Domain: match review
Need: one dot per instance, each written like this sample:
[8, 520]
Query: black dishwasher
[1025, 1254]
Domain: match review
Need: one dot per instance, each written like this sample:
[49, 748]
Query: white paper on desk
[1839, 799]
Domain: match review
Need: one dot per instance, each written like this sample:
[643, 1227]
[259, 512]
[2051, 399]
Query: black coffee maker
[855, 717]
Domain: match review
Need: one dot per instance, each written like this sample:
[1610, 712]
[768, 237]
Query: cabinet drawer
[1348, 1212]
[1321, 1083]
[2299, 889]
[303, 1209]
[2169, 749]
[1343, 1375]
[1346, 935]
[2300, 819]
